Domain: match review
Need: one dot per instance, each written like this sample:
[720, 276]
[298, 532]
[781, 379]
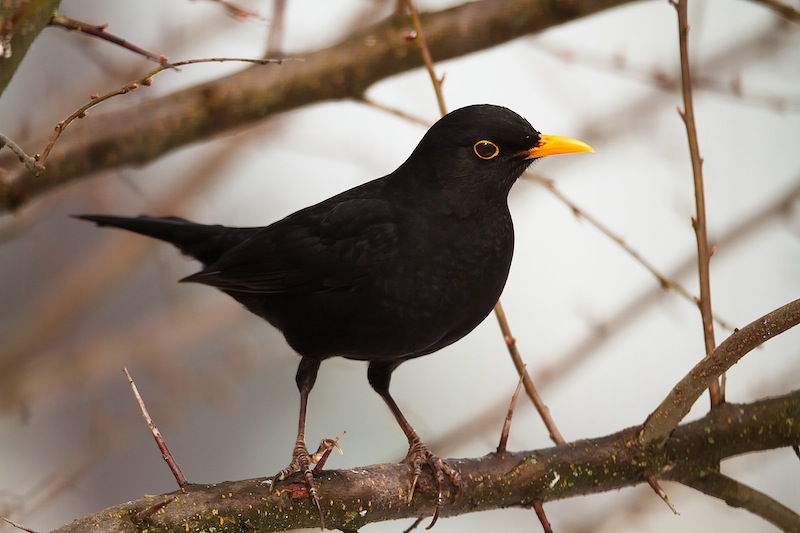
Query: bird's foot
[302, 461]
[419, 454]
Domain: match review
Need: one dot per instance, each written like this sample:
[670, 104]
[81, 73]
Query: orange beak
[554, 145]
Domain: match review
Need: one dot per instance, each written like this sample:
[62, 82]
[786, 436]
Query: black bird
[393, 269]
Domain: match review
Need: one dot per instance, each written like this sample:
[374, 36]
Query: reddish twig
[704, 251]
[653, 482]
[501, 447]
[165, 453]
[539, 508]
[100, 32]
[325, 448]
[530, 388]
[145, 80]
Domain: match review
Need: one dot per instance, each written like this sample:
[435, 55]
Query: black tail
[205, 243]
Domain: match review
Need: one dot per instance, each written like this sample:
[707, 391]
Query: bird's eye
[486, 149]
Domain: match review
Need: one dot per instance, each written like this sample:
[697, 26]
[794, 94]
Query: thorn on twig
[501, 447]
[539, 508]
[100, 32]
[653, 482]
[165, 453]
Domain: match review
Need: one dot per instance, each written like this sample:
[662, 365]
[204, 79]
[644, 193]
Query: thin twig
[18, 526]
[325, 448]
[653, 482]
[145, 80]
[501, 447]
[29, 161]
[419, 39]
[539, 508]
[100, 32]
[663, 279]
[394, 111]
[530, 388]
[162, 446]
[704, 251]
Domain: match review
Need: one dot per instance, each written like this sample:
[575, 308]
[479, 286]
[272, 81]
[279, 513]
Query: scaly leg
[301, 460]
[379, 375]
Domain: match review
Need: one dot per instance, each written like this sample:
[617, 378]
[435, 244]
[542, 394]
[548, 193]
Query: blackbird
[393, 269]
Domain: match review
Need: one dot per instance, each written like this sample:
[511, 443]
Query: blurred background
[604, 342]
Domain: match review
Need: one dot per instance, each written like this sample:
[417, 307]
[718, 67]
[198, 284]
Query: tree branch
[737, 494]
[20, 24]
[682, 397]
[149, 129]
[716, 387]
[358, 496]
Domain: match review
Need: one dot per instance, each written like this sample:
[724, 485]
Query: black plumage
[393, 269]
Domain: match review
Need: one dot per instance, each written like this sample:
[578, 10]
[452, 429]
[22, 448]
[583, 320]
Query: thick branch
[147, 130]
[677, 404]
[20, 24]
[355, 497]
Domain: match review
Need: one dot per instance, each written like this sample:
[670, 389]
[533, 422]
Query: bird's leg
[379, 375]
[301, 460]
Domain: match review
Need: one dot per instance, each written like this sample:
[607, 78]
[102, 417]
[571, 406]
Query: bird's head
[483, 148]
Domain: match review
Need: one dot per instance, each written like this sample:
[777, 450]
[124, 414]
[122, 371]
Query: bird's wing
[327, 246]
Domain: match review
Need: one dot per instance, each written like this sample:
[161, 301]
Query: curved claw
[419, 454]
[301, 462]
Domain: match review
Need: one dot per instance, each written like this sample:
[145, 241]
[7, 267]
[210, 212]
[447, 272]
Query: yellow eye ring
[486, 149]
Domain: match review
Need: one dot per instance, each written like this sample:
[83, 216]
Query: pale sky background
[224, 394]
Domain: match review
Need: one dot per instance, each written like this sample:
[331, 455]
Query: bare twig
[394, 111]
[100, 32]
[530, 388]
[653, 482]
[29, 161]
[501, 447]
[539, 508]
[704, 251]
[665, 281]
[162, 445]
[325, 448]
[145, 80]
[18, 526]
[680, 399]
[737, 494]
[419, 39]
